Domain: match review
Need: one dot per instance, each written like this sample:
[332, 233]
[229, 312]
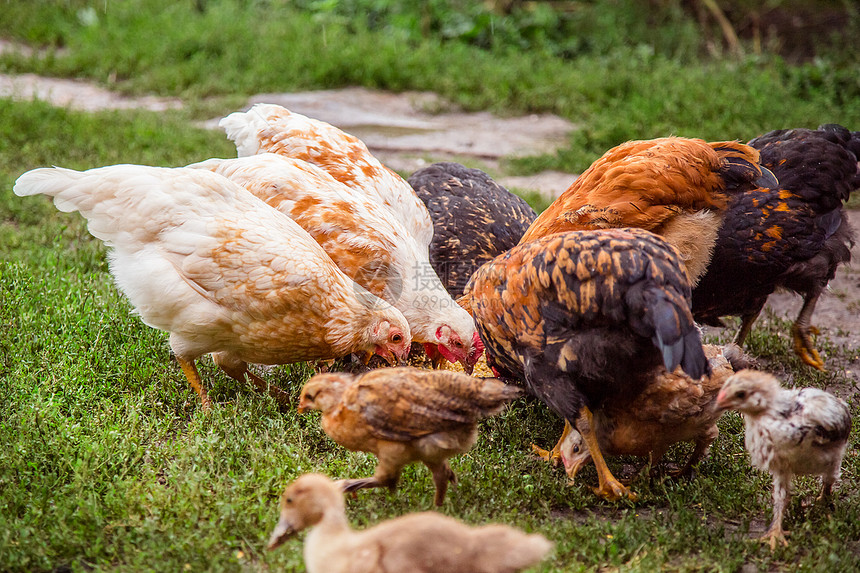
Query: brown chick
[404, 415]
[675, 187]
[416, 543]
[676, 408]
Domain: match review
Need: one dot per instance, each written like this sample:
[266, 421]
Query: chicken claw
[804, 347]
[773, 536]
[613, 490]
[552, 456]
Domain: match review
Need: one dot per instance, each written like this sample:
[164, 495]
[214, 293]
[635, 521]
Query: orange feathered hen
[675, 187]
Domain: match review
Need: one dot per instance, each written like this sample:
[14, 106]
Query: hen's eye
[397, 338]
[740, 394]
[575, 449]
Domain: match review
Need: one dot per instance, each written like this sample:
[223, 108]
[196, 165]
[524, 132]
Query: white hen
[788, 432]
[224, 273]
[367, 243]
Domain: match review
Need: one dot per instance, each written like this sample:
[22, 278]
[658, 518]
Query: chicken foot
[781, 497]
[802, 329]
[608, 486]
[190, 371]
[553, 456]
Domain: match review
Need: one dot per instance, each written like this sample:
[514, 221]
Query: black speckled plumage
[474, 219]
[793, 236]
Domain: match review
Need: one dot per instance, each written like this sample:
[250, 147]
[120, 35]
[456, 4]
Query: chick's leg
[392, 457]
[190, 371]
[802, 329]
[781, 496]
[442, 474]
[608, 487]
[553, 456]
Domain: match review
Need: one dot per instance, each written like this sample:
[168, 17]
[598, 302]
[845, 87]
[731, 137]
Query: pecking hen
[675, 187]
[674, 408]
[587, 319]
[787, 433]
[474, 220]
[272, 128]
[201, 258]
[426, 542]
[792, 236]
[403, 415]
[366, 242]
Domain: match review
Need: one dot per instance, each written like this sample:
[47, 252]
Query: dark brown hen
[793, 236]
[586, 318]
[403, 415]
[474, 220]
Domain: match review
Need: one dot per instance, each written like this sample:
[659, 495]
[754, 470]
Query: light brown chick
[416, 543]
[674, 409]
[404, 415]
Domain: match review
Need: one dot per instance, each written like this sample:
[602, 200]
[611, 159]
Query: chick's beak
[283, 531]
[303, 406]
[722, 400]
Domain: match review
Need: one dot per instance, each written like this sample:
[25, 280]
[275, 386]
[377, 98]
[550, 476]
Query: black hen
[586, 318]
[474, 220]
[792, 236]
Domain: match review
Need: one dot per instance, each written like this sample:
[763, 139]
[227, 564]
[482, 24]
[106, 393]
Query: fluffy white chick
[788, 432]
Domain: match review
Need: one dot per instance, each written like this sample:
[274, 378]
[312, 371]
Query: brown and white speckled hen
[203, 259]
[474, 220]
[675, 408]
[403, 415]
[793, 236]
[425, 542]
[274, 129]
[365, 241]
[788, 432]
[587, 318]
[675, 187]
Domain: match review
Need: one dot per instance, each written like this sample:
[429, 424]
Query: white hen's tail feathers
[129, 203]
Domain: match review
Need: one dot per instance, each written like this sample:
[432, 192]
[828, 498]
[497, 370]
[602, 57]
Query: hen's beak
[571, 468]
[386, 355]
[767, 179]
[283, 531]
[467, 368]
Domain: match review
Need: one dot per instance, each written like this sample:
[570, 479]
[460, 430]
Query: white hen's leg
[193, 376]
[781, 496]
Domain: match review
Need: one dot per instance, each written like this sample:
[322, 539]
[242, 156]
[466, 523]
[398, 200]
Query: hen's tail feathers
[510, 549]
[495, 394]
[677, 338]
[244, 127]
[64, 185]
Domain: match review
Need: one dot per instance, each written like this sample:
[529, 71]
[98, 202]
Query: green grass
[107, 462]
